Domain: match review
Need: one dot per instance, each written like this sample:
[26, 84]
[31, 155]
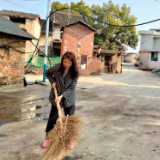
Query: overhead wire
[42, 52]
[7, 45]
[88, 17]
[35, 52]
[95, 19]
[23, 6]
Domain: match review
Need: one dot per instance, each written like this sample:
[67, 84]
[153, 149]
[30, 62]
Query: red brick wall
[75, 34]
[11, 62]
[96, 66]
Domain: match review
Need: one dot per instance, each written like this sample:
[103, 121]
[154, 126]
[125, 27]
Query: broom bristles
[57, 148]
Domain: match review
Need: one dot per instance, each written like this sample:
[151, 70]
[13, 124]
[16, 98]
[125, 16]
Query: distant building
[149, 54]
[78, 37]
[111, 60]
[130, 57]
[29, 22]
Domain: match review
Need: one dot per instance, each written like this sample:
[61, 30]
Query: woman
[64, 77]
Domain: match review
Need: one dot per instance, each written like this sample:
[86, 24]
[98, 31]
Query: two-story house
[149, 54]
[29, 22]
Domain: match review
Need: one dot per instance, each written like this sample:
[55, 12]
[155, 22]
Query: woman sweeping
[64, 77]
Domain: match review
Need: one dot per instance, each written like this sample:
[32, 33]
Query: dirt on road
[121, 114]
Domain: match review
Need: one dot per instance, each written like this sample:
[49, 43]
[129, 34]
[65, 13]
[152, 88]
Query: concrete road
[121, 115]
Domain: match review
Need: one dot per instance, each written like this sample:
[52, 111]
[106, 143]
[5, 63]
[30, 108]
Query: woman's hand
[58, 100]
[54, 85]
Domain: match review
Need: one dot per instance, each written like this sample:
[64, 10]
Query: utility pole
[46, 44]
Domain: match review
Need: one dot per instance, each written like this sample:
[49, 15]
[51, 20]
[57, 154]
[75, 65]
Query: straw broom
[66, 130]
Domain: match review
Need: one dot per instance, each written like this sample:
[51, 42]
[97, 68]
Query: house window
[83, 62]
[18, 20]
[154, 56]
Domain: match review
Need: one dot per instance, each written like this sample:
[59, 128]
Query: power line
[41, 52]
[146, 40]
[97, 20]
[156, 0]
[35, 53]
[7, 46]
[22, 6]
[104, 22]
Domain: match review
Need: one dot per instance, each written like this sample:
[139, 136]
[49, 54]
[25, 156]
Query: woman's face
[67, 63]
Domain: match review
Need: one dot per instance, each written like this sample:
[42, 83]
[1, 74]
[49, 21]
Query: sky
[144, 10]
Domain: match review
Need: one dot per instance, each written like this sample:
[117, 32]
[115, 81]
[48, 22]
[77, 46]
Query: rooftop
[64, 18]
[85, 24]
[8, 27]
[16, 14]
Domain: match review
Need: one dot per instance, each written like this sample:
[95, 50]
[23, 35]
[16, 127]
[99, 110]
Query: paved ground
[121, 113]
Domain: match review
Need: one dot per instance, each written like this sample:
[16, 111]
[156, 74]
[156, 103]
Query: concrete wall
[43, 41]
[11, 64]
[145, 61]
[56, 32]
[149, 41]
[146, 42]
[154, 64]
[79, 39]
[156, 44]
[34, 28]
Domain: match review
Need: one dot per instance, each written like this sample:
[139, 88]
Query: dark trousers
[54, 116]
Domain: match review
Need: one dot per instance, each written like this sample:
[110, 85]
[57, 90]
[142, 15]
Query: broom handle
[58, 107]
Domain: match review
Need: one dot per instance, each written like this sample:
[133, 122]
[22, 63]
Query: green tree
[57, 5]
[118, 37]
[81, 6]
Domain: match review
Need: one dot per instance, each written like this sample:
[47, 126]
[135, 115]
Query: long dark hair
[73, 69]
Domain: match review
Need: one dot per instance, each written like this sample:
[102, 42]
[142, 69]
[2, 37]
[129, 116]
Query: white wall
[146, 42]
[150, 41]
[156, 44]
[34, 28]
[56, 32]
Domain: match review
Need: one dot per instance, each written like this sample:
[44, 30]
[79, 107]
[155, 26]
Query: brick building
[61, 19]
[28, 21]
[111, 60]
[78, 37]
[12, 59]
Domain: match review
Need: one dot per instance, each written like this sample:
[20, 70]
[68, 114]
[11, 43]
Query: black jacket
[65, 86]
